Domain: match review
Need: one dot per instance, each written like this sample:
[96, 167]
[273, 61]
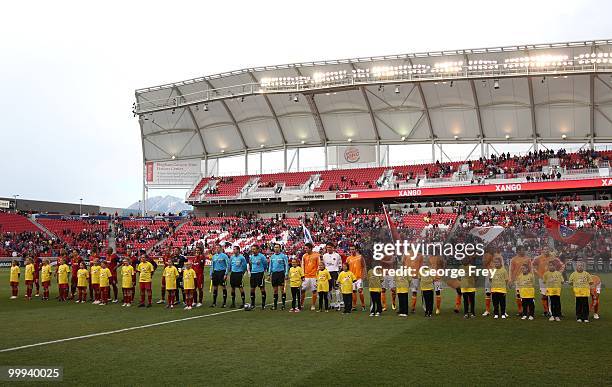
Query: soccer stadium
[440, 217]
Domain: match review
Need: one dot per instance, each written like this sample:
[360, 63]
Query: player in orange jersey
[595, 292]
[414, 264]
[540, 266]
[437, 262]
[356, 265]
[310, 267]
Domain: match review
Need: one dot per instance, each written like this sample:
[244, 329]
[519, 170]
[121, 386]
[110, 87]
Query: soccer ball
[247, 307]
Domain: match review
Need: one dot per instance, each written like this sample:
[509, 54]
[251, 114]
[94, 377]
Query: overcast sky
[69, 69]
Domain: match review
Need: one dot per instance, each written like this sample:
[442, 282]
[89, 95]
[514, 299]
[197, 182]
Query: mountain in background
[164, 204]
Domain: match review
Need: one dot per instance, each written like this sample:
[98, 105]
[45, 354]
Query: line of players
[178, 272]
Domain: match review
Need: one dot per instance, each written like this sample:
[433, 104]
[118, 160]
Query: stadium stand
[15, 223]
[533, 166]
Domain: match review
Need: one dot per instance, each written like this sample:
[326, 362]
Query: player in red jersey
[197, 264]
[75, 261]
[112, 260]
[133, 258]
[37, 267]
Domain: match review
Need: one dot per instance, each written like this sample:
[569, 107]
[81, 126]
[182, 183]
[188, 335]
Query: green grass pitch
[306, 349]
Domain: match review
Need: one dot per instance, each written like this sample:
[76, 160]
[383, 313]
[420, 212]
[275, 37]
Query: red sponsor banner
[476, 189]
[149, 171]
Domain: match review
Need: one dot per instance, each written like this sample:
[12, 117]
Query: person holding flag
[278, 270]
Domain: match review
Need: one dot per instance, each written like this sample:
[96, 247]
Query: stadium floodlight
[350, 139]
[222, 150]
[303, 142]
[262, 145]
[496, 84]
[507, 136]
[173, 157]
[456, 137]
[403, 138]
[397, 89]
[564, 136]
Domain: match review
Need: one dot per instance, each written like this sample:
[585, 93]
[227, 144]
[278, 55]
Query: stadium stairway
[112, 236]
[163, 240]
[42, 228]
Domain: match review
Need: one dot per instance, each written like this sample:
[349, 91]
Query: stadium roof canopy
[526, 93]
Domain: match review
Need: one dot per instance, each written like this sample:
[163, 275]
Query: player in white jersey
[333, 263]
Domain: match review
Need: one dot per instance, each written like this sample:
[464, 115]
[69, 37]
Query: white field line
[120, 330]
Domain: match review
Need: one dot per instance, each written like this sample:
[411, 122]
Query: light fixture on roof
[456, 137]
[205, 107]
[222, 150]
[173, 157]
[564, 136]
[496, 84]
[507, 136]
[303, 142]
[397, 90]
[350, 139]
[296, 98]
[261, 145]
[403, 138]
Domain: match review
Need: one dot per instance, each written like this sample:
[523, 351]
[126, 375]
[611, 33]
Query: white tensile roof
[549, 92]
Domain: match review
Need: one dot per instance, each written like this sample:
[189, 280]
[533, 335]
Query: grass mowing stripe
[121, 330]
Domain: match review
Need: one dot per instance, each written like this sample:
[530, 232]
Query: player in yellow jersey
[127, 285]
[14, 279]
[81, 283]
[62, 273]
[516, 264]
[323, 278]
[552, 281]
[94, 278]
[296, 277]
[426, 283]
[189, 282]
[524, 284]
[345, 281]
[595, 292]
[581, 281]
[468, 289]
[488, 262]
[105, 280]
[145, 270]
[357, 267]
[375, 287]
[170, 273]
[29, 277]
[402, 285]
[45, 278]
[498, 283]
